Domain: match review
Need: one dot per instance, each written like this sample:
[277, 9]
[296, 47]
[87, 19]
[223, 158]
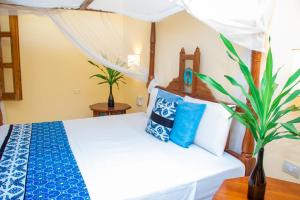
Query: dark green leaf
[248, 96]
[294, 121]
[290, 127]
[287, 136]
[292, 79]
[247, 75]
[93, 64]
[102, 82]
[248, 113]
[267, 90]
[99, 76]
[241, 118]
[293, 96]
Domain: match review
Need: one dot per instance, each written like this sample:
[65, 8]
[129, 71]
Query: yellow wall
[136, 40]
[285, 31]
[53, 69]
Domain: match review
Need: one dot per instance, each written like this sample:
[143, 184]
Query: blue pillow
[188, 116]
[161, 120]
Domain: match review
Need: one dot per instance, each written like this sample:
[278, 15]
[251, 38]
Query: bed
[131, 164]
[115, 158]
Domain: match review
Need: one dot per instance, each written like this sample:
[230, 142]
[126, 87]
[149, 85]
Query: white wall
[285, 35]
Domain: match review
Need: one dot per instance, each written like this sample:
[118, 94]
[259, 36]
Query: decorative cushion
[213, 130]
[155, 92]
[188, 116]
[161, 120]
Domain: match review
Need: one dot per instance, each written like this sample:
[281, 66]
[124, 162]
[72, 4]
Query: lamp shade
[134, 60]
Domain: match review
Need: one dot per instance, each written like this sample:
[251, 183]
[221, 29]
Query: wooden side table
[236, 189]
[100, 109]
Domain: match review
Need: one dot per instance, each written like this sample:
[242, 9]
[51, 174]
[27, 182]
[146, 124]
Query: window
[10, 73]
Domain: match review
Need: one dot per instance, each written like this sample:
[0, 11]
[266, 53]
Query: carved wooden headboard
[197, 89]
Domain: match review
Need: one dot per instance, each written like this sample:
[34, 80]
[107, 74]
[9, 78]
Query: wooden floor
[236, 189]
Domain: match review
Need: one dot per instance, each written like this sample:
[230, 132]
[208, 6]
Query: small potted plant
[108, 76]
[263, 116]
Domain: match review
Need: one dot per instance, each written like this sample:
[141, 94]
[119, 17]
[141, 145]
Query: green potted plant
[108, 76]
[263, 116]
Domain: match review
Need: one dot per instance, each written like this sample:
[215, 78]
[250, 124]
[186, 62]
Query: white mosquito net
[244, 22]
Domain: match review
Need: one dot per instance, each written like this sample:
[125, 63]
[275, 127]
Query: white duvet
[119, 160]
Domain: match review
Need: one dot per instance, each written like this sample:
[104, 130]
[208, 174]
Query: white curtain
[100, 37]
[245, 22]
[147, 10]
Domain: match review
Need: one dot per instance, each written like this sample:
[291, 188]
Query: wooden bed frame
[1, 117]
[201, 91]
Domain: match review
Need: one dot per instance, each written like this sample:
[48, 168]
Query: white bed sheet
[118, 160]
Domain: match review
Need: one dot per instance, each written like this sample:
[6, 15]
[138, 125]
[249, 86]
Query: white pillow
[213, 128]
[152, 99]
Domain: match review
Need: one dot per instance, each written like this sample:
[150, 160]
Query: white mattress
[119, 160]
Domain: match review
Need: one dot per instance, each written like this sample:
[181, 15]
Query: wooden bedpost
[248, 142]
[181, 68]
[152, 53]
[1, 117]
[196, 68]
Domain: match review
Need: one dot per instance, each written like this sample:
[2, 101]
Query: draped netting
[99, 35]
[244, 22]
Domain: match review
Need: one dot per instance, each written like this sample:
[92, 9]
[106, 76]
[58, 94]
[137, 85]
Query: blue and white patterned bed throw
[38, 163]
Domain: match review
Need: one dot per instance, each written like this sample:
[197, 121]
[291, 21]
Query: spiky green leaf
[294, 121]
[292, 79]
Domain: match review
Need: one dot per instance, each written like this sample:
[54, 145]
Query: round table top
[236, 189]
[103, 107]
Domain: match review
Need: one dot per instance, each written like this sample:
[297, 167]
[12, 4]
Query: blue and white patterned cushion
[162, 118]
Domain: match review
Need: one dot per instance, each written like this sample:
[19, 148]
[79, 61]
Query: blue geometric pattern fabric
[13, 164]
[161, 120]
[52, 171]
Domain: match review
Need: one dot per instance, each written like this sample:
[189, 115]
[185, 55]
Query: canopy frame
[248, 142]
[83, 7]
